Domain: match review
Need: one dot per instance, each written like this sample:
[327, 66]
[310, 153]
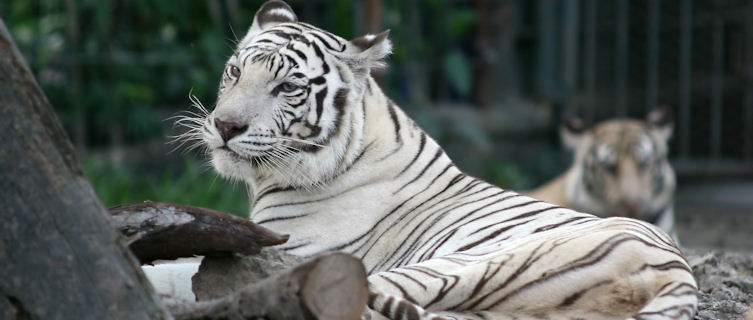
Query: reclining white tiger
[620, 168]
[330, 160]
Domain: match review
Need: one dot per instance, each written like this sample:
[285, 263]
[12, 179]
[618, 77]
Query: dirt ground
[715, 214]
[725, 279]
[715, 224]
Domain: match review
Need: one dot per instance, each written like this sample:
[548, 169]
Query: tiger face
[282, 102]
[622, 166]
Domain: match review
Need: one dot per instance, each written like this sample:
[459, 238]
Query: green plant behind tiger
[121, 184]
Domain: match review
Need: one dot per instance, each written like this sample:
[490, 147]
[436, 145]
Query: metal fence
[623, 58]
[605, 59]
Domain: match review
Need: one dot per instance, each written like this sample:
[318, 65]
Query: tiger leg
[677, 300]
[388, 307]
[613, 268]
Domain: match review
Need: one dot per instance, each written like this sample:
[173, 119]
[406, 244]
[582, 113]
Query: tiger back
[334, 163]
[620, 168]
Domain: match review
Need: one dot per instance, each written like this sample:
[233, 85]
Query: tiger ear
[270, 14]
[661, 122]
[368, 52]
[573, 131]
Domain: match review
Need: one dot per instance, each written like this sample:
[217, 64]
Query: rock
[219, 276]
[725, 280]
[331, 286]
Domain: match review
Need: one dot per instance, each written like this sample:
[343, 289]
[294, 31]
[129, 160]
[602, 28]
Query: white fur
[282, 12]
[173, 278]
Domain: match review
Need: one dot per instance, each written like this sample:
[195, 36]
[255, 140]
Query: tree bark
[61, 257]
[331, 286]
[171, 231]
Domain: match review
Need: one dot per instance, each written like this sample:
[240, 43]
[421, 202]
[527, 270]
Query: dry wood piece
[171, 231]
[332, 286]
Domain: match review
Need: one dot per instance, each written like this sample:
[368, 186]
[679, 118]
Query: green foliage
[342, 24]
[114, 70]
[510, 176]
[186, 183]
[123, 62]
[461, 22]
[459, 72]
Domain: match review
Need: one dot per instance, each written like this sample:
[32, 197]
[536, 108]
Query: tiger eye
[288, 87]
[235, 71]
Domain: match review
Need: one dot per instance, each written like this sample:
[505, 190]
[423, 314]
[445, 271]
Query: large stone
[219, 276]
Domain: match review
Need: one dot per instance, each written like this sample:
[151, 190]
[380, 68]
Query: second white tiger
[620, 168]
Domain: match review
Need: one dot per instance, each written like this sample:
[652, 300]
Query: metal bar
[747, 132]
[308, 12]
[748, 102]
[590, 61]
[621, 56]
[415, 66]
[485, 33]
[440, 38]
[652, 55]
[717, 85]
[570, 32]
[685, 56]
[547, 48]
[360, 21]
[373, 12]
[506, 69]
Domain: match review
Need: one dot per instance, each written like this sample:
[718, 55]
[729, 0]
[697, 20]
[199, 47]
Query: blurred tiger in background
[620, 168]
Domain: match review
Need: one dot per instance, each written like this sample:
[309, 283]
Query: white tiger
[330, 160]
[620, 168]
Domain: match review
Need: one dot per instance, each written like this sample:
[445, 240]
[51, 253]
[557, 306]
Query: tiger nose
[631, 206]
[229, 129]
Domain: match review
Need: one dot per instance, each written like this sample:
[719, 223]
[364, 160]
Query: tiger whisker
[181, 143]
[291, 148]
[188, 114]
[194, 122]
[280, 154]
[279, 159]
[192, 135]
[276, 165]
[302, 141]
[197, 103]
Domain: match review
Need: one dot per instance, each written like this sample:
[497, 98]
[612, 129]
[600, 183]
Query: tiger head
[621, 166]
[284, 107]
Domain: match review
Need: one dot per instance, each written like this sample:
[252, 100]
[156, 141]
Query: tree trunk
[332, 286]
[61, 257]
